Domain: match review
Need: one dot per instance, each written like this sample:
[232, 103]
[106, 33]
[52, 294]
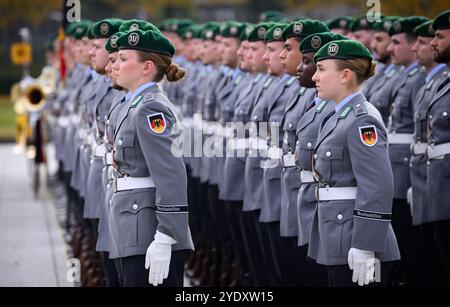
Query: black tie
[326, 119]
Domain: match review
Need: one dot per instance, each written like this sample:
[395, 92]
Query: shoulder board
[302, 91]
[360, 109]
[136, 101]
[345, 113]
[320, 107]
[267, 83]
[291, 80]
[413, 72]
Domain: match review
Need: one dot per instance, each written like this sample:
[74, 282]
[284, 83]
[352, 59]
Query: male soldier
[340, 25]
[438, 151]
[361, 30]
[400, 129]
[385, 69]
[436, 73]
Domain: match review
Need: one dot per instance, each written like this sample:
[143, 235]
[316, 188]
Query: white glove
[158, 258]
[363, 265]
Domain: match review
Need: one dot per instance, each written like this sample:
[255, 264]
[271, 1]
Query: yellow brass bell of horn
[35, 98]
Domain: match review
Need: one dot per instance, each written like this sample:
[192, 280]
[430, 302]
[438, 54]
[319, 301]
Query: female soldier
[352, 221]
[148, 214]
[302, 127]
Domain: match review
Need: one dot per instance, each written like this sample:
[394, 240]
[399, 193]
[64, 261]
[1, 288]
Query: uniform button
[358, 105]
[98, 117]
[107, 122]
[315, 156]
[110, 202]
[255, 117]
[296, 143]
[444, 114]
[428, 163]
[108, 186]
[339, 217]
[135, 206]
[105, 117]
[309, 145]
[328, 154]
[405, 159]
[430, 117]
[290, 125]
[119, 142]
[285, 141]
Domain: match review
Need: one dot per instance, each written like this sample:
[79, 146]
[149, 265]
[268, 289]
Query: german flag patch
[157, 122]
[368, 135]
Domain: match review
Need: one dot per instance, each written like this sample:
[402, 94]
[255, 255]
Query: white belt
[238, 144]
[108, 158]
[307, 177]
[274, 153]
[339, 193]
[75, 119]
[258, 144]
[132, 183]
[63, 121]
[99, 150]
[400, 138]
[419, 148]
[434, 151]
[288, 160]
[110, 173]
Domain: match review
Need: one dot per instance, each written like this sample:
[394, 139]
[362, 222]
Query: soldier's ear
[347, 76]
[149, 68]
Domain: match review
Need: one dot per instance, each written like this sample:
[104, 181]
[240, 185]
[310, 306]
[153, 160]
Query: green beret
[81, 29]
[425, 29]
[233, 29]
[342, 50]
[275, 33]
[361, 23]
[193, 31]
[342, 22]
[90, 33]
[247, 31]
[385, 24]
[134, 24]
[304, 28]
[179, 26]
[106, 27]
[274, 16]
[210, 30]
[442, 21]
[314, 42]
[147, 41]
[111, 44]
[70, 29]
[258, 32]
[406, 25]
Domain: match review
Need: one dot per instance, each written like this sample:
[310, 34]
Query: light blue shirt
[344, 101]
[236, 73]
[434, 71]
[285, 77]
[317, 101]
[139, 90]
[128, 95]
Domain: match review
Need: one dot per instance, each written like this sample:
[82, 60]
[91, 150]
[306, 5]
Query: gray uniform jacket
[147, 143]
[307, 134]
[438, 172]
[343, 159]
[370, 85]
[418, 164]
[271, 206]
[402, 121]
[253, 194]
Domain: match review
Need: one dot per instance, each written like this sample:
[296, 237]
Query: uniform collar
[410, 68]
[389, 68]
[128, 96]
[317, 101]
[140, 89]
[236, 73]
[346, 100]
[434, 71]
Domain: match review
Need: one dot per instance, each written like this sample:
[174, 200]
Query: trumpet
[34, 97]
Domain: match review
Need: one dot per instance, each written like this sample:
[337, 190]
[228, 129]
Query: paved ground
[32, 249]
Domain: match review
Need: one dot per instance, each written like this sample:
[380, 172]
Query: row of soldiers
[250, 220]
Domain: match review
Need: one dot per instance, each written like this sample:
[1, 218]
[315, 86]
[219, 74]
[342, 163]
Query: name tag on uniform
[288, 160]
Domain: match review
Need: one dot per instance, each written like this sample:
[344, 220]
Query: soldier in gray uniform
[436, 73]
[351, 230]
[301, 125]
[400, 128]
[362, 30]
[340, 25]
[253, 193]
[148, 222]
[438, 152]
